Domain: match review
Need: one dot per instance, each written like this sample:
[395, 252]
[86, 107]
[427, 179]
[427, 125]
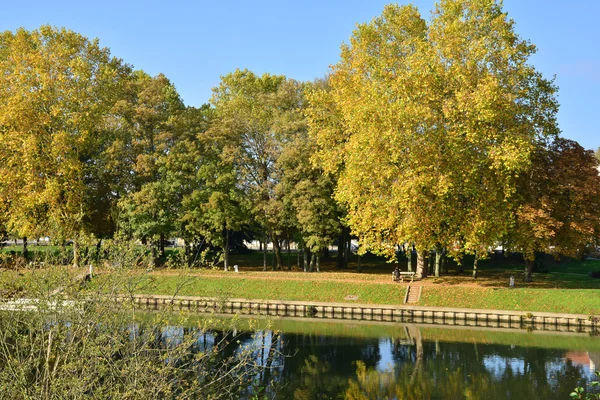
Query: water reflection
[414, 363]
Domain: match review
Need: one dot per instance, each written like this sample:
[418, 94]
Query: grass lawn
[565, 287]
[575, 301]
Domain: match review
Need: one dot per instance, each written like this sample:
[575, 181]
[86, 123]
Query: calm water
[326, 360]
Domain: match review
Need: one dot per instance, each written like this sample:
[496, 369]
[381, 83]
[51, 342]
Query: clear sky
[195, 42]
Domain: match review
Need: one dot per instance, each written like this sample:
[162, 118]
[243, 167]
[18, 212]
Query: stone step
[414, 294]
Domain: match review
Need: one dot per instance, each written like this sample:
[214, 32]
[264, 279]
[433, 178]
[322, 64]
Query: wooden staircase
[413, 294]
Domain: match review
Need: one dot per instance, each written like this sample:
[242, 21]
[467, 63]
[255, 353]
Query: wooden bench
[403, 274]
[407, 274]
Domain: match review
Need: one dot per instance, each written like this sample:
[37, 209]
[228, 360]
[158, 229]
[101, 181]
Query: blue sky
[195, 42]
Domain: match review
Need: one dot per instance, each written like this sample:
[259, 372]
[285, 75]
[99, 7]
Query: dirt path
[463, 281]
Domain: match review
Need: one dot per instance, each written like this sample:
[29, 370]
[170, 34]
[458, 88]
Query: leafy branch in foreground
[92, 345]
[580, 393]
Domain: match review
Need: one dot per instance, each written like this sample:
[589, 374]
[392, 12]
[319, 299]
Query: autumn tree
[559, 211]
[146, 133]
[56, 90]
[309, 194]
[213, 202]
[432, 122]
[254, 117]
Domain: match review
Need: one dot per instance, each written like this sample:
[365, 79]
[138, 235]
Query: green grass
[565, 288]
[281, 289]
[575, 301]
[335, 287]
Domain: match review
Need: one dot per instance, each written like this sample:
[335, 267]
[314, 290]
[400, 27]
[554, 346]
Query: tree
[56, 90]
[309, 194]
[146, 133]
[255, 117]
[432, 123]
[216, 206]
[559, 212]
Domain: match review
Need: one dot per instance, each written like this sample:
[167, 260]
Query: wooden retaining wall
[365, 312]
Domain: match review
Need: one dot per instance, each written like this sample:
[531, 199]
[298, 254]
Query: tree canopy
[57, 91]
[436, 133]
[434, 122]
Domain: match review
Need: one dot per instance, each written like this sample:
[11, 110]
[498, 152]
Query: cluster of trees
[91, 148]
[436, 135]
[443, 136]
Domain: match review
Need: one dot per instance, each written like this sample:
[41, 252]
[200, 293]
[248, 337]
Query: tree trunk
[277, 249]
[306, 254]
[162, 244]
[226, 249]
[75, 253]
[97, 253]
[445, 261]
[153, 245]
[25, 251]
[298, 257]
[528, 270]
[438, 262]
[318, 263]
[289, 255]
[347, 251]
[475, 266]
[188, 255]
[273, 259]
[409, 259]
[339, 259]
[430, 262]
[421, 269]
[264, 248]
[325, 252]
[312, 262]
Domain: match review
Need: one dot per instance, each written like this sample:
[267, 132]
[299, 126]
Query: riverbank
[486, 318]
[566, 289]
[575, 294]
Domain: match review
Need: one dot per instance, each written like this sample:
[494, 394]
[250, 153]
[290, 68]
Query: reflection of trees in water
[424, 370]
[308, 366]
[320, 366]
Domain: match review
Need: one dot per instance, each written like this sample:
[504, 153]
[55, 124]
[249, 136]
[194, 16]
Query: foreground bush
[73, 343]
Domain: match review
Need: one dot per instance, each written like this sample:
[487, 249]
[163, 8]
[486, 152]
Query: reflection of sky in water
[386, 361]
[496, 365]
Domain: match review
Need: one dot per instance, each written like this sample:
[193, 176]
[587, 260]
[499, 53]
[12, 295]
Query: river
[308, 359]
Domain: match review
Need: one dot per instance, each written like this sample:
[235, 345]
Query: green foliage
[255, 118]
[92, 346]
[307, 192]
[580, 393]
